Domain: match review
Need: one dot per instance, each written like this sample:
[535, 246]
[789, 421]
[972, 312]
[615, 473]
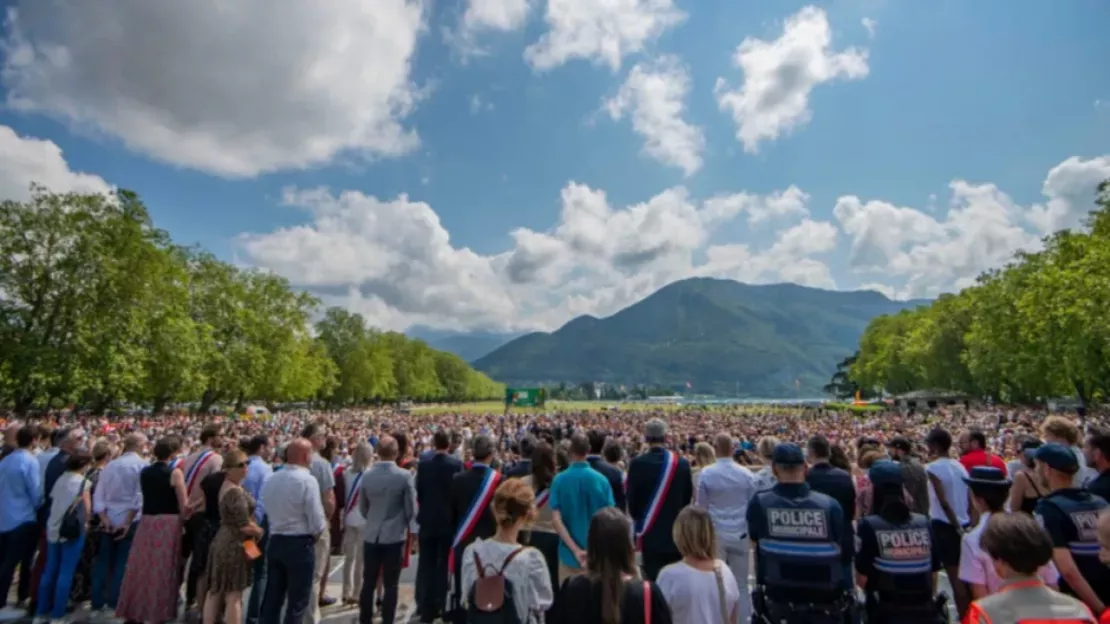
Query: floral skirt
[152, 579]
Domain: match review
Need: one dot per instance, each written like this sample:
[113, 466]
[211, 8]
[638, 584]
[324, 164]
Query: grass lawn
[496, 407]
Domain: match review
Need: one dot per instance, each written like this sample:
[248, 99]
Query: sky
[508, 165]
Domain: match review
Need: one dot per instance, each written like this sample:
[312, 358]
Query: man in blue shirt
[20, 495]
[258, 471]
[576, 495]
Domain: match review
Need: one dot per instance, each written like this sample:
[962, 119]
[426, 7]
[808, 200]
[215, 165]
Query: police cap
[885, 472]
[788, 454]
[1058, 457]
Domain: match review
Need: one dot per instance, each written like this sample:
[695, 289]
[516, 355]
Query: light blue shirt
[293, 505]
[20, 490]
[577, 493]
[724, 490]
[258, 472]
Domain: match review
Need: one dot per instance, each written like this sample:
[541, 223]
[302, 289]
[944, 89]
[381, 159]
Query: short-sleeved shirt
[976, 566]
[321, 470]
[577, 493]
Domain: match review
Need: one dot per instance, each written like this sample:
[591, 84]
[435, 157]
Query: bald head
[387, 448]
[299, 452]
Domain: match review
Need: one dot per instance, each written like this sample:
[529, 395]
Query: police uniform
[1070, 515]
[899, 561]
[802, 561]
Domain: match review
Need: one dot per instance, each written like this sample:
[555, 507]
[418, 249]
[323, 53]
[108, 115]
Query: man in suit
[387, 499]
[471, 491]
[434, 475]
[658, 473]
[523, 467]
[611, 473]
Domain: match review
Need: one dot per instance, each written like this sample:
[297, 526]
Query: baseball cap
[1058, 457]
[788, 454]
[902, 443]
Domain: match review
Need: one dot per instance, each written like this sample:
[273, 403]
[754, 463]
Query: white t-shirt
[976, 566]
[532, 591]
[66, 489]
[951, 474]
[693, 594]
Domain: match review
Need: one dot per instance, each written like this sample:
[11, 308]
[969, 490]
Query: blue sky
[236, 128]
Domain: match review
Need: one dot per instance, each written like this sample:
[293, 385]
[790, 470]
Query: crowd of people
[626, 515]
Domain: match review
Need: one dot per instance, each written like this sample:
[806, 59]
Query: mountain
[467, 345]
[724, 337]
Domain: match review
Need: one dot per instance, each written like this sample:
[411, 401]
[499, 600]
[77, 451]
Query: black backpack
[491, 597]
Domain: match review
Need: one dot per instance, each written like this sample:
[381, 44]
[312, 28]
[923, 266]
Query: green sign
[525, 397]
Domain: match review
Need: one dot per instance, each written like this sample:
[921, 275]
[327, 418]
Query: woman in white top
[71, 490]
[700, 589]
[513, 508]
[353, 523]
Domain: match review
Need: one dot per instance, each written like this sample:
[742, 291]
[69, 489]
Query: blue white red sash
[352, 500]
[175, 463]
[474, 514]
[541, 499]
[670, 466]
[194, 470]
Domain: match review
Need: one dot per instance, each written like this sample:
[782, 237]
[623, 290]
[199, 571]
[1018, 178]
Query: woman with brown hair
[543, 535]
[522, 566]
[229, 567]
[611, 592]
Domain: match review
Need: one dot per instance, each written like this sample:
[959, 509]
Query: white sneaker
[10, 614]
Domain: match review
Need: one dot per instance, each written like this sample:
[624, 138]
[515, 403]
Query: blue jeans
[111, 561]
[57, 578]
[258, 586]
[290, 562]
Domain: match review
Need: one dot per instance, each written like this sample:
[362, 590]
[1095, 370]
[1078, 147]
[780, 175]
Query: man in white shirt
[724, 490]
[949, 503]
[118, 502]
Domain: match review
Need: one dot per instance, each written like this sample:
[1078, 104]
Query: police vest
[903, 564]
[800, 549]
[1028, 601]
[1081, 510]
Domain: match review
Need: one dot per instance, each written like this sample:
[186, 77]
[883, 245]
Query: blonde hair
[704, 454]
[767, 446]
[1061, 428]
[363, 455]
[235, 457]
[694, 535]
[513, 501]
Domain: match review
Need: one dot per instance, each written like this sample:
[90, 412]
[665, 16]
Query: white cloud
[394, 261]
[496, 14]
[601, 31]
[24, 160]
[869, 25]
[654, 94]
[479, 104]
[236, 89]
[779, 76]
[982, 229]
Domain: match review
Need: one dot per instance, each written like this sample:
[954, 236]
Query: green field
[496, 407]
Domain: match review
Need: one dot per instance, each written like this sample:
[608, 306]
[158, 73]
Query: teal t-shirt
[577, 493]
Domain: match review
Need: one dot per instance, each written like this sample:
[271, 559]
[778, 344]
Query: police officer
[1070, 516]
[803, 554]
[896, 558]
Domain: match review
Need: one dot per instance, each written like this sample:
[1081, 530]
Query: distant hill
[722, 336]
[467, 345]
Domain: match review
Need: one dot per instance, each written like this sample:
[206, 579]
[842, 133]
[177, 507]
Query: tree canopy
[1034, 329]
[100, 308]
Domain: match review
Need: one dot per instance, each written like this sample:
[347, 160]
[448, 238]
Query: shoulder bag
[73, 522]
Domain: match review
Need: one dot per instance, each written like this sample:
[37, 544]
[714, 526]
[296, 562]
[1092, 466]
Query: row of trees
[98, 307]
[1035, 329]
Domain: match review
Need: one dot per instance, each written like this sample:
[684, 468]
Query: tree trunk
[206, 400]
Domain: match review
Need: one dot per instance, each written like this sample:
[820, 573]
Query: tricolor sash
[477, 506]
[541, 498]
[352, 500]
[670, 466]
[175, 463]
[194, 470]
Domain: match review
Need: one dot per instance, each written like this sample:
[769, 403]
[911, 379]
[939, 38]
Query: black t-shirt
[211, 485]
[579, 602]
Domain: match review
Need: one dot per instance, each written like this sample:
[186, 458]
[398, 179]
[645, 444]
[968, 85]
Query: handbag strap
[647, 602]
[80, 492]
[721, 593]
